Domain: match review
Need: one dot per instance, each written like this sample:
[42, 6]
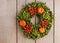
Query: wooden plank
[7, 21]
[57, 21]
[49, 37]
[20, 4]
[21, 37]
[33, 21]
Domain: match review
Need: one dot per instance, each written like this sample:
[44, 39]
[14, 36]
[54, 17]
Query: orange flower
[40, 10]
[42, 30]
[22, 23]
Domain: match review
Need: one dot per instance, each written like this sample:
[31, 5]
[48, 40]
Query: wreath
[44, 14]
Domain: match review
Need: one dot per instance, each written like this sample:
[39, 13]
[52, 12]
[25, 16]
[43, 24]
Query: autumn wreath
[45, 20]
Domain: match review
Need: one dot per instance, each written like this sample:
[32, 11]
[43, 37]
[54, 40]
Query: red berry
[28, 29]
[45, 23]
[32, 10]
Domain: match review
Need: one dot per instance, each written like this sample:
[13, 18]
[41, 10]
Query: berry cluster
[28, 29]
[45, 23]
[32, 10]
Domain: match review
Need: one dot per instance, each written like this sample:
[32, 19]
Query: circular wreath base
[44, 14]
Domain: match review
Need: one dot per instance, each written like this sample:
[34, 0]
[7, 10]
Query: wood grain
[57, 21]
[7, 21]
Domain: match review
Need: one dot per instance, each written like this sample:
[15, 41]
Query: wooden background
[10, 34]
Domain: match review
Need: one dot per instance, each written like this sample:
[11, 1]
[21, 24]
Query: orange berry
[42, 30]
[22, 23]
[40, 10]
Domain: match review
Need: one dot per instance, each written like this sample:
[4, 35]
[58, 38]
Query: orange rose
[42, 30]
[40, 10]
[22, 23]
